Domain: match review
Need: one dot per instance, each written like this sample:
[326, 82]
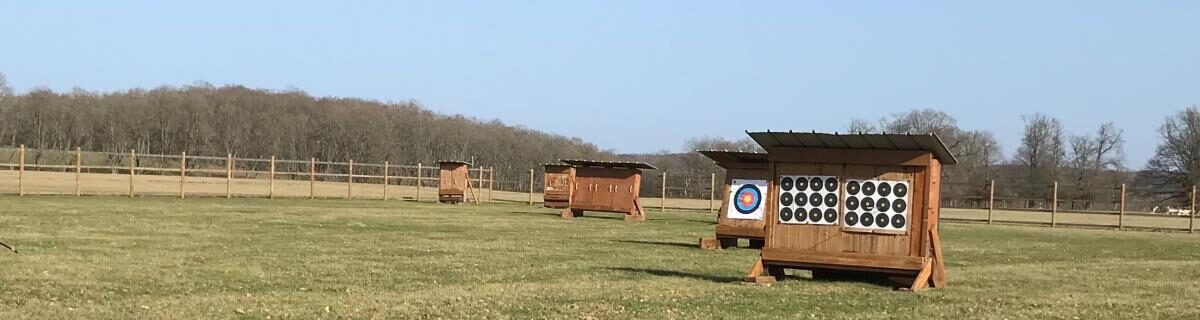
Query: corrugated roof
[609, 164]
[859, 141]
[725, 157]
[453, 161]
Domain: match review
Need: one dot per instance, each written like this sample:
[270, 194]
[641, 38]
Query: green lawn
[112, 257]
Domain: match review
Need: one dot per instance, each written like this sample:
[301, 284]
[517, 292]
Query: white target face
[809, 200]
[877, 205]
[746, 199]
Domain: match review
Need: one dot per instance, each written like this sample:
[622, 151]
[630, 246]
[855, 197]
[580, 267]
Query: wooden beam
[1054, 207]
[939, 260]
[991, 200]
[78, 168]
[385, 180]
[228, 175]
[922, 279]
[312, 178]
[662, 202]
[350, 181]
[21, 171]
[271, 176]
[182, 173]
[531, 187]
[740, 232]
[843, 259]
[1192, 217]
[418, 198]
[843, 156]
[491, 182]
[712, 191]
[132, 169]
[1121, 218]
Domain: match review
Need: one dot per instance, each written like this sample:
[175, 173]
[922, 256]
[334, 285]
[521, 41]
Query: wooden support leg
[570, 214]
[709, 244]
[757, 273]
[635, 217]
[939, 265]
[922, 279]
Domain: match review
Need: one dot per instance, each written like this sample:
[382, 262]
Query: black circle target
[867, 204]
[868, 188]
[831, 184]
[831, 200]
[830, 216]
[785, 199]
[814, 199]
[900, 205]
[883, 205]
[786, 183]
[816, 184]
[881, 220]
[867, 219]
[801, 184]
[898, 221]
[900, 190]
[885, 189]
[801, 200]
[785, 214]
[814, 215]
[852, 203]
[851, 218]
[853, 187]
[801, 215]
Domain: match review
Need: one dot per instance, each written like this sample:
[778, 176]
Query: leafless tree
[1175, 166]
[1042, 150]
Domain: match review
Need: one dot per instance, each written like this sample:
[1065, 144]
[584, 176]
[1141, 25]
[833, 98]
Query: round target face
[785, 214]
[785, 199]
[852, 188]
[883, 205]
[868, 188]
[867, 204]
[898, 221]
[816, 184]
[814, 215]
[830, 215]
[801, 184]
[749, 197]
[830, 200]
[900, 190]
[801, 200]
[851, 218]
[852, 203]
[884, 189]
[786, 183]
[881, 220]
[831, 184]
[801, 215]
[899, 205]
[814, 199]
[867, 219]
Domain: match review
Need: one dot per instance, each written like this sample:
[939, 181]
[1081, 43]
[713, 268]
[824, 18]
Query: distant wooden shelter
[453, 181]
[854, 203]
[606, 186]
[743, 202]
[559, 182]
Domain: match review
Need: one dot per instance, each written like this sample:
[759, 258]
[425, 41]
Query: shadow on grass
[555, 214]
[661, 243]
[841, 276]
[680, 274]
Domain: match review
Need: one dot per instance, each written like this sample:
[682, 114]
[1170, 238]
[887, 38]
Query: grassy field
[113, 257]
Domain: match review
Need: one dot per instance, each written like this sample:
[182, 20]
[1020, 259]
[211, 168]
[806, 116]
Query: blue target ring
[747, 199]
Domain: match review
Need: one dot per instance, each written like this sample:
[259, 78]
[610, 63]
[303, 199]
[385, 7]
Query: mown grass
[112, 257]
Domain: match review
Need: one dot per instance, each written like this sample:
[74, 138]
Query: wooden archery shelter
[747, 175]
[453, 183]
[559, 182]
[870, 206]
[607, 187]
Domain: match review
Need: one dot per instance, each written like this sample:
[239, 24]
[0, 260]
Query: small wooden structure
[453, 181]
[743, 202]
[607, 187]
[848, 204]
[559, 182]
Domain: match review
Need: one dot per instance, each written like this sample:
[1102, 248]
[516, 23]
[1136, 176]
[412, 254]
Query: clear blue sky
[645, 75]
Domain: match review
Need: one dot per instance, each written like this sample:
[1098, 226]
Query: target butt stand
[743, 199]
[602, 186]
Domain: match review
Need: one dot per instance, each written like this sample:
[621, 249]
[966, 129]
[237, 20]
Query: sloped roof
[726, 157]
[454, 162]
[859, 141]
[609, 164]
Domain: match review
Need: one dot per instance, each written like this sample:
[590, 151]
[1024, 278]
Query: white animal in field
[1173, 211]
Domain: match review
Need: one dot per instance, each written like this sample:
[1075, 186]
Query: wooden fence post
[271, 176]
[1192, 217]
[991, 200]
[182, 173]
[132, 169]
[1121, 218]
[712, 191]
[1054, 207]
[662, 202]
[418, 198]
[350, 181]
[312, 178]
[385, 180]
[78, 168]
[491, 182]
[228, 175]
[531, 187]
[21, 171]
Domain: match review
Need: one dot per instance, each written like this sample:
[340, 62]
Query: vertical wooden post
[228, 175]
[21, 171]
[385, 180]
[350, 181]
[418, 182]
[312, 178]
[271, 176]
[712, 191]
[1192, 217]
[662, 202]
[182, 173]
[1121, 218]
[531, 187]
[1054, 207]
[132, 169]
[491, 182]
[78, 168]
[991, 200]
